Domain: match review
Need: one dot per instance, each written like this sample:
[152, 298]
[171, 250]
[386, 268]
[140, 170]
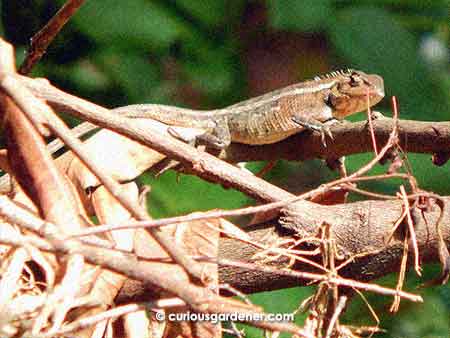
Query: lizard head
[354, 91]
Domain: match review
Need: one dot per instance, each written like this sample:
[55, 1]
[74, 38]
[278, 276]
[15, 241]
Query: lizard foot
[183, 134]
[324, 132]
[376, 115]
[212, 141]
[322, 128]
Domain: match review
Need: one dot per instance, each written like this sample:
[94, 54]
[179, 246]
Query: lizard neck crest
[337, 73]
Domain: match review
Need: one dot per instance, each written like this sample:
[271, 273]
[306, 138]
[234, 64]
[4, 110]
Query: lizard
[268, 118]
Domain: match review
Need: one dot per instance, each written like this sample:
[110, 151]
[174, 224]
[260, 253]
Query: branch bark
[349, 139]
[360, 230]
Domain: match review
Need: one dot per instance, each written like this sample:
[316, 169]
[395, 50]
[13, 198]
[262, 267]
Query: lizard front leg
[315, 125]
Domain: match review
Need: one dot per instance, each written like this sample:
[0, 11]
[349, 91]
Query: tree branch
[360, 230]
[349, 139]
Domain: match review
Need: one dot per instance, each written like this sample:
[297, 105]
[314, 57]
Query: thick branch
[359, 228]
[349, 138]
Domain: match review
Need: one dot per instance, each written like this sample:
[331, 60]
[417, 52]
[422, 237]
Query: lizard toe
[327, 131]
[323, 138]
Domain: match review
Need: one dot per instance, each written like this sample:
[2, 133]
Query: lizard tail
[170, 115]
[79, 130]
[166, 114]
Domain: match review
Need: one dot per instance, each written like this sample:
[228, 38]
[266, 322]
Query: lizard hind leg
[187, 135]
[219, 138]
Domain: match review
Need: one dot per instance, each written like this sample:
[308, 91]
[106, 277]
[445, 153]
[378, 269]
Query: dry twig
[45, 36]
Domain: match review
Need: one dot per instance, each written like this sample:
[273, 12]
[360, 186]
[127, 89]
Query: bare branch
[45, 36]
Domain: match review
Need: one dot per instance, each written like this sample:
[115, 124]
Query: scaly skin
[271, 117]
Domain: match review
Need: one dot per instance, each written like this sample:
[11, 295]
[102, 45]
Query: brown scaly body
[271, 117]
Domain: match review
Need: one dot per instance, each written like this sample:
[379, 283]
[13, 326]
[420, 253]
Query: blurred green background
[212, 53]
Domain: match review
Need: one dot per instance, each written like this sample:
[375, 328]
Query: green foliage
[370, 38]
[165, 199]
[211, 69]
[309, 15]
[429, 319]
[277, 302]
[136, 24]
[117, 64]
[196, 53]
[212, 13]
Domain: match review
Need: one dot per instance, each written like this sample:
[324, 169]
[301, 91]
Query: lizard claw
[316, 126]
[324, 132]
[328, 131]
[212, 141]
[376, 115]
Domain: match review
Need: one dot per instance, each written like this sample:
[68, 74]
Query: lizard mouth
[375, 95]
[380, 93]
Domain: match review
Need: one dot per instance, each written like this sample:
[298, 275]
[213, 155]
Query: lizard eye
[355, 80]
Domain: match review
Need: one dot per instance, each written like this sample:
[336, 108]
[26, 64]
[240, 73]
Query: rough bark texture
[358, 228]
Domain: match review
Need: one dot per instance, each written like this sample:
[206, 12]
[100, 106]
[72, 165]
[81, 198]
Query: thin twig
[130, 265]
[91, 320]
[26, 101]
[41, 40]
[369, 119]
[401, 278]
[369, 193]
[412, 231]
[10, 277]
[339, 307]
[371, 309]
[317, 277]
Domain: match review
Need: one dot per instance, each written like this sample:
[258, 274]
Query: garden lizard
[268, 118]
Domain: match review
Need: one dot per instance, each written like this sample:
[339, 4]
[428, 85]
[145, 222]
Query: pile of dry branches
[63, 276]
